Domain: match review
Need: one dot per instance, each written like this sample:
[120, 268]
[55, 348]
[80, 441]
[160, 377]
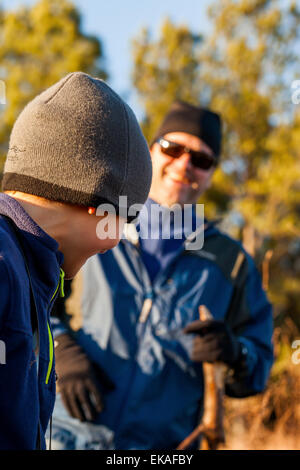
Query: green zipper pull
[61, 277]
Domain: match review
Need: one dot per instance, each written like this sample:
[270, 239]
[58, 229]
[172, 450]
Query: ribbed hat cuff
[54, 192]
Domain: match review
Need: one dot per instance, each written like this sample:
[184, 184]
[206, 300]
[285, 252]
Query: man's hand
[78, 379]
[213, 342]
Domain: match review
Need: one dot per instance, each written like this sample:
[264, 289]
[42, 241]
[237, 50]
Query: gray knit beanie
[79, 142]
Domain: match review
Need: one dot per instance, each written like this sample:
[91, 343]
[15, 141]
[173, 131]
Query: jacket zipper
[51, 348]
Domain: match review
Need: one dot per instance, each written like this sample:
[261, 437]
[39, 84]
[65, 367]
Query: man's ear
[151, 148]
[209, 180]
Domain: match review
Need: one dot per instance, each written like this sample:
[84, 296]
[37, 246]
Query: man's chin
[180, 197]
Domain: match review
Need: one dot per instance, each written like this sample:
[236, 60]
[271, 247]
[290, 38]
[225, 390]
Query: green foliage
[250, 61]
[38, 46]
[159, 68]
[244, 71]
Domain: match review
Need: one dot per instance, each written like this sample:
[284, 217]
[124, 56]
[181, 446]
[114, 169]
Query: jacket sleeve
[254, 328]
[11, 436]
[5, 292]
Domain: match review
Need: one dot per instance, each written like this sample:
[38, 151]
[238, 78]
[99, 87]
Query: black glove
[213, 342]
[78, 379]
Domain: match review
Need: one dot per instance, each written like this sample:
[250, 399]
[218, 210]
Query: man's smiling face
[177, 180]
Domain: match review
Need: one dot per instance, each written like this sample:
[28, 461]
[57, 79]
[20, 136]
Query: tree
[249, 63]
[159, 68]
[243, 70]
[168, 69]
[38, 46]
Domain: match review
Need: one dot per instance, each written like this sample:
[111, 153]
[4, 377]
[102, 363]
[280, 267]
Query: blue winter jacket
[26, 397]
[132, 329]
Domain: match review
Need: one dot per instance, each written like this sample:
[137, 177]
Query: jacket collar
[132, 232]
[44, 258]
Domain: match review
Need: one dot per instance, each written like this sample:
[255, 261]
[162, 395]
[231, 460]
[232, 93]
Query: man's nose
[184, 161]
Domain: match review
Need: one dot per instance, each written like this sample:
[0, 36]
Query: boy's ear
[151, 146]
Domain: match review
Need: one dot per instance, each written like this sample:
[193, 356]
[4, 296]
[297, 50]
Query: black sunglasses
[199, 159]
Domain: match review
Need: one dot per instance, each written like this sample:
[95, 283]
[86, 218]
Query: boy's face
[79, 234]
[92, 234]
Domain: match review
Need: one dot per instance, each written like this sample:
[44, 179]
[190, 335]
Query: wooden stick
[266, 269]
[211, 426]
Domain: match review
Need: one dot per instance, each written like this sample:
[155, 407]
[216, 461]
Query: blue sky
[116, 22]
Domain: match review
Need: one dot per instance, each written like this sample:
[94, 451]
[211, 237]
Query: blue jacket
[26, 398]
[132, 328]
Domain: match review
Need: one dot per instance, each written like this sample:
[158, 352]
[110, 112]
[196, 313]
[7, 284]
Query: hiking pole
[266, 269]
[211, 427]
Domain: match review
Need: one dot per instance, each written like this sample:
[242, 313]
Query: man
[130, 344]
[73, 147]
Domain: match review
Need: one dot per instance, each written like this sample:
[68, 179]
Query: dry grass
[269, 421]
